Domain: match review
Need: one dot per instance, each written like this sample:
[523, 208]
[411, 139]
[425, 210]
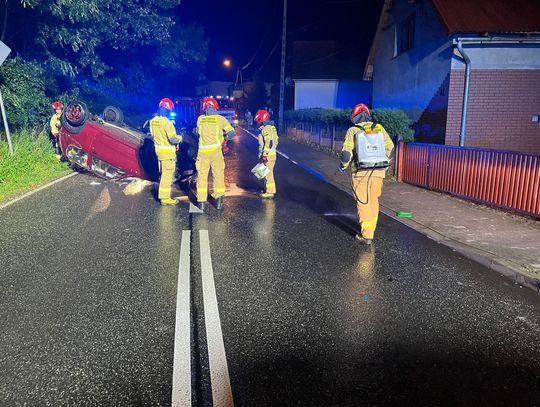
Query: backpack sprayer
[370, 151]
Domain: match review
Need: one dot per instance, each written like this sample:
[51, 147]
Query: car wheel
[76, 114]
[113, 114]
[70, 128]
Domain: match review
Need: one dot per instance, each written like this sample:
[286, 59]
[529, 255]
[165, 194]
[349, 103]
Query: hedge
[395, 121]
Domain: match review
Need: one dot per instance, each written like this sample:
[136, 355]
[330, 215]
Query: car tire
[71, 129]
[75, 114]
[113, 114]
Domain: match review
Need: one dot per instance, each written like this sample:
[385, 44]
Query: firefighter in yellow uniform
[55, 125]
[211, 128]
[165, 141]
[268, 141]
[367, 183]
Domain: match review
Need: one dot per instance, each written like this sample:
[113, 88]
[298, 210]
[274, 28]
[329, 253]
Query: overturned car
[107, 147]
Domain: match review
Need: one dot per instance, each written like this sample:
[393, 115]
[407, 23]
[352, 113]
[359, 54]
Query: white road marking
[37, 190]
[181, 389]
[219, 371]
[194, 209]
[277, 151]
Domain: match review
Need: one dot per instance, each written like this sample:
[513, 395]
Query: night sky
[236, 29]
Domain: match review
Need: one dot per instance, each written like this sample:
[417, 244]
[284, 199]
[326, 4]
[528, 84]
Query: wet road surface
[285, 307]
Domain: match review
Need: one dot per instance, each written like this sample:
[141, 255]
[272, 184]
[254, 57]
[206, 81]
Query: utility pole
[282, 76]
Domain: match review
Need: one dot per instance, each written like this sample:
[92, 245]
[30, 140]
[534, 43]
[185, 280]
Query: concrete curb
[518, 274]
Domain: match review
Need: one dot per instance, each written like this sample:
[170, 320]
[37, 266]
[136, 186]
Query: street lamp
[227, 63]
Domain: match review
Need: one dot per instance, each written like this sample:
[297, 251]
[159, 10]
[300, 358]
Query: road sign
[4, 52]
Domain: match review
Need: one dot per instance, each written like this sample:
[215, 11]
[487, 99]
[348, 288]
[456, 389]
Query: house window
[405, 36]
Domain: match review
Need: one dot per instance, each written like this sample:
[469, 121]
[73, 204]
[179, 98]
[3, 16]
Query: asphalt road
[284, 306]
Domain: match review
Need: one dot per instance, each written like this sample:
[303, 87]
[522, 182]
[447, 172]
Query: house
[424, 50]
[325, 74]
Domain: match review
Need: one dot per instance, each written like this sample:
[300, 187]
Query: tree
[111, 50]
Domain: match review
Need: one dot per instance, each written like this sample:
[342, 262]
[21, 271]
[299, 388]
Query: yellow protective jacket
[268, 140]
[165, 137]
[55, 124]
[349, 147]
[210, 130]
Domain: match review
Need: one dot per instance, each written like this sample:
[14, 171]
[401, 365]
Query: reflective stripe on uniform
[369, 224]
[348, 144]
[209, 147]
[165, 148]
[219, 190]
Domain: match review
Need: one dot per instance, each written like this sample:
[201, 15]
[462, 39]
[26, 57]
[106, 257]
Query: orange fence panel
[505, 179]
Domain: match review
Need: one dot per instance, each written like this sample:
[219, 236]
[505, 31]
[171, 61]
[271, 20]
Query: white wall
[310, 93]
[500, 56]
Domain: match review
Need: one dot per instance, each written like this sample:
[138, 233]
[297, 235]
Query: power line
[267, 58]
[333, 54]
[262, 40]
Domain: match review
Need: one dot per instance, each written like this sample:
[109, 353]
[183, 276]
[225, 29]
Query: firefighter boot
[362, 239]
[267, 195]
[200, 205]
[219, 203]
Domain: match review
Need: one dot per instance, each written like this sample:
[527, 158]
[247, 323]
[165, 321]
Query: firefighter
[165, 142]
[211, 128]
[55, 127]
[268, 141]
[368, 169]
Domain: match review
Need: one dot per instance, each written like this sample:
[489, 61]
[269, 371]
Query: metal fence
[325, 135]
[504, 179]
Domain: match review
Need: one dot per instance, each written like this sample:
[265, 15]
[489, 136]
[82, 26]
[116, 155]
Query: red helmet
[210, 102]
[57, 105]
[167, 104]
[262, 116]
[359, 109]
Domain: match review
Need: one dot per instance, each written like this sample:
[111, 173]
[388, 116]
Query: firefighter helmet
[210, 103]
[167, 104]
[261, 116]
[359, 109]
[57, 105]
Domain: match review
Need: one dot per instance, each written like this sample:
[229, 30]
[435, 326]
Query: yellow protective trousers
[206, 161]
[367, 191]
[167, 168]
[270, 180]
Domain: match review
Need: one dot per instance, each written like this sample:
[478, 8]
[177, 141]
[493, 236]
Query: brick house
[416, 64]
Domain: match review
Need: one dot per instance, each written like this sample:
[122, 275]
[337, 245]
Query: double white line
[219, 371]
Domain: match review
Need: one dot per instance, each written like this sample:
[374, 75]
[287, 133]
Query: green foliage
[319, 115]
[395, 121]
[23, 89]
[124, 53]
[33, 163]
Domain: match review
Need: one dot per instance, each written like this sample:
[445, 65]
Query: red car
[108, 149]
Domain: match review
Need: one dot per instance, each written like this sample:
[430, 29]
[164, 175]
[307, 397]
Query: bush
[23, 89]
[33, 163]
[395, 121]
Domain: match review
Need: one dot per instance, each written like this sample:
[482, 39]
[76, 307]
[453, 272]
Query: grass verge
[33, 164]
